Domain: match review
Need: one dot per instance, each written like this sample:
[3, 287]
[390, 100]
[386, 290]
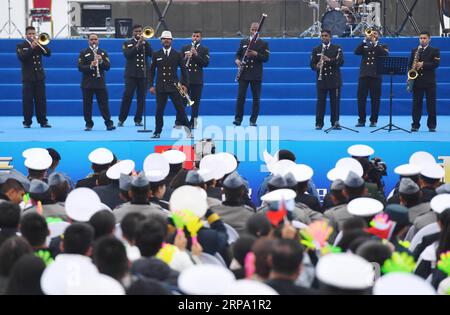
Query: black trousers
[366, 85]
[161, 102]
[131, 85]
[256, 92]
[418, 94]
[321, 105]
[195, 93]
[102, 101]
[33, 96]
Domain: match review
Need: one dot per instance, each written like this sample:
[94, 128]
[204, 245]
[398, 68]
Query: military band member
[167, 60]
[137, 52]
[93, 62]
[326, 60]
[198, 56]
[369, 79]
[33, 78]
[252, 75]
[425, 83]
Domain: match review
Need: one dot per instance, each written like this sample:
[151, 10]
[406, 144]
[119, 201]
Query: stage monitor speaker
[95, 15]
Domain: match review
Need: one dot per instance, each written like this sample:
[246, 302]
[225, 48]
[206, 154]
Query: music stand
[392, 66]
[145, 119]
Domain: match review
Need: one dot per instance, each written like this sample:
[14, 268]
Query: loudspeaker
[95, 15]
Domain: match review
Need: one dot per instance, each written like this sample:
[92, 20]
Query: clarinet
[94, 50]
[189, 59]
[321, 64]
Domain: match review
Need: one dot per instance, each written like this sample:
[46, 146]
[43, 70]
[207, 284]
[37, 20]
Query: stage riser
[225, 107]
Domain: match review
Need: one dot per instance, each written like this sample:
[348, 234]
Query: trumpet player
[137, 52]
[327, 60]
[428, 59]
[369, 79]
[196, 57]
[30, 54]
[93, 62]
[167, 60]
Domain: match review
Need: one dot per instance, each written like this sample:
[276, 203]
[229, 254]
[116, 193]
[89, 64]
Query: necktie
[167, 53]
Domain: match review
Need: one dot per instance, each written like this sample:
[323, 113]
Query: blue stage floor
[290, 128]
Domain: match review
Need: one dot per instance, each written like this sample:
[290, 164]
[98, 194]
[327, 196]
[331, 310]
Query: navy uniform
[91, 85]
[425, 84]
[136, 75]
[369, 80]
[167, 63]
[195, 77]
[33, 83]
[331, 81]
[252, 74]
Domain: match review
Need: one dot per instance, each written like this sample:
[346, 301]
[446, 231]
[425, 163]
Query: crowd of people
[161, 229]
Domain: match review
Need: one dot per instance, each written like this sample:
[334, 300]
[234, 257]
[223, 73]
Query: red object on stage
[42, 9]
[188, 150]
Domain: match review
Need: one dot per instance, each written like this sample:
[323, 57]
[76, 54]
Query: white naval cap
[205, 280]
[421, 158]
[279, 194]
[364, 207]
[101, 156]
[360, 150]
[38, 160]
[166, 34]
[345, 271]
[407, 170]
[433, 171]
[82, 203]
[343, 168]
[189, 198]
[401, 283]
[282, 167]
[121, 167]
[99, 284]
[249, 287]
[440, 203]
[229, 162]
[34, 151]
[174, 156]
[302, 172]
[214, 165]
[156, 167]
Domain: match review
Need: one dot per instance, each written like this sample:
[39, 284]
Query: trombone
[42, 40]
[147, 32]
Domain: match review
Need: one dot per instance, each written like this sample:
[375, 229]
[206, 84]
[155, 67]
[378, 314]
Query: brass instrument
[183, 93]
[320, 64]
[148, 32]
[413, 73]
[95, 50]
[368, 32]
[42, 40]
[189, 59]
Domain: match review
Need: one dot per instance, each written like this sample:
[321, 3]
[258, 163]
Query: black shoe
[120, 124]
[88, 128]
[337, 127]
[373, 124]
[413, 129]
[360, 124]
[138, 124]
[26, 126]
[156, 136]
[236, 123]
[177, 126]
[45, 126]
[253, 124]
[319, 127]
[112, 127]
[432, 129]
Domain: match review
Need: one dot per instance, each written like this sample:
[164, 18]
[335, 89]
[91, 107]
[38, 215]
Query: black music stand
[145, 119]
[392, 66]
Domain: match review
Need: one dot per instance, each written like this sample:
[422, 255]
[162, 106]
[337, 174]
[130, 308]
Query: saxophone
[94, 50]
[320, 64]
[413, 74]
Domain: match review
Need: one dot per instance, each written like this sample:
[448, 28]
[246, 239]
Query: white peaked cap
[401, 283]
[364, 207]
[156, 167]
[101, 156]
[421, 158]
[189, 198]
[174, 156]
[121, 167]
[228, 160]
[205, 280]
[250, 287]
[360, 150]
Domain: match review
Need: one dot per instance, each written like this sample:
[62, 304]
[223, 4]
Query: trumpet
[183, 93]
[368, 32]
[148, 32]
[194, 43]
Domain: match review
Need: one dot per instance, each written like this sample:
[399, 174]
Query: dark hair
[411, 199]
[262, 249]
[102, 179]
[34, 228]
[136, 26]
[357, 242]
[365, 163]
[140, 195]
[287, 256]
[29, 28]
[301, 187]
[150, 235]
[60, 192]
[92, 34]
[97, 168]
[349, 237]
[354, 223]
[78, 238]
[155, 186]
[38, 174]
[233, 194]
[242, 247]
[444, 240]
[110, 257]
[10, 251]
[430, 181]
[425, 33]
[45, 198]
[258, 225]
[197, 32]
[129, 224]
[374, 252]
[103, 223]
[286, 155]
[339, 196]
[147, 286]
[25, 276]
[326, 31]
[354, 192]
[179, 179]
[11, 183]
[54, 154]
[9, 215]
